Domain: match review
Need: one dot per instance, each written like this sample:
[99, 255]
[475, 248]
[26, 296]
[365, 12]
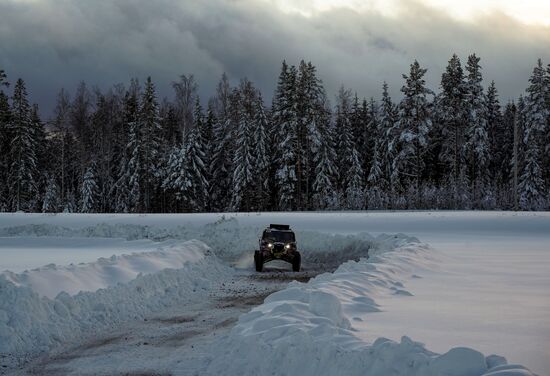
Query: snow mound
[30, 324]
[50, 280]
[306, 329]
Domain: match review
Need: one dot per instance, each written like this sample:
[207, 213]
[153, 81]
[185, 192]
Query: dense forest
[127, 151]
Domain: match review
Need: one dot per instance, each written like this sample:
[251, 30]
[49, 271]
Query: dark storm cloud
[57, 43]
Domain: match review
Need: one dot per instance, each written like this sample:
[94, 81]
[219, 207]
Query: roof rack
[279, 227]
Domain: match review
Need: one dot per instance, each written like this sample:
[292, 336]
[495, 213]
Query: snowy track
[194, 319]
[179, 337]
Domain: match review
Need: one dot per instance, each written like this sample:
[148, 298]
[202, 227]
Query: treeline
[125, 150]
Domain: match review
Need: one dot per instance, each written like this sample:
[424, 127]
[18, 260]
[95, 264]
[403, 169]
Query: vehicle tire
[258, 261]
[296, 262]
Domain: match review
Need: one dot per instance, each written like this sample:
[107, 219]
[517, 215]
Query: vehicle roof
[268, 229]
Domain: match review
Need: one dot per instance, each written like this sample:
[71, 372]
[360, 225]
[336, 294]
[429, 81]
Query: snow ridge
[51, 279]
[30, 324]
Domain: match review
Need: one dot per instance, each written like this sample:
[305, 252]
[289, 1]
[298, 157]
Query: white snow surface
[482, 282]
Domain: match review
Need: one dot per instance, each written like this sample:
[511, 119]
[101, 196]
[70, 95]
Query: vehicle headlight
[269, 245]
[287, 246]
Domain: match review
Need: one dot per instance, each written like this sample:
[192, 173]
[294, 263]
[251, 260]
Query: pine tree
[325, 195]
[177, 179]
[144, 145]
[243, 174]
[354, 178]
[413, 126]
[376, 183]
[503, 154]
[546, 133]
[195, 157]
[532, 185]
[40, 152]
[125, 198]
[4, 143]
[501, 137]
[51, 202]
[477, 146]
[22, 182]
[286, 138]
[221, 162]
[63, 144]
[451, 116]
[89, 192]
[380, 175]
[344, 136]
[185, 169]
[262, 160]
[310, 95]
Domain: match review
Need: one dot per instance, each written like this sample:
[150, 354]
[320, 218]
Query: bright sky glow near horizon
[526, 11]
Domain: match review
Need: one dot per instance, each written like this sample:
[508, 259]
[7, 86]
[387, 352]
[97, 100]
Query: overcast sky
[57, 43]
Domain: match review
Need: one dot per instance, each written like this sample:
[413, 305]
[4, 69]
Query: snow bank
[30, 324]
[228, 238]
[50, 280]
[307, 329]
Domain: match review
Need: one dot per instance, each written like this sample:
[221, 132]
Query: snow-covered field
[457, 279]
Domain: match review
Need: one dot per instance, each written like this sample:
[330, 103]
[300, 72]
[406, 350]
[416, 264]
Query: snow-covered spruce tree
[51, 202]
[207, 136]
[310, 95]
[62, 143]
[89, 192]
[371, 117]
[532, 189]
[221, 162]
[127, 139]
[351, 177]
[325, 195]
[261, 154]
[242, 187]
[195, 157]
[40, 152]
[503, 154]
[380, 187]
[501, 137]
[356, 119]
[343, 136]
[519, 147]
[101, 141]
[144, 144]
[375, 180]
[451, 118]
[176, 176]
[477, 146]
[184, 172]
[286, 139]
[354, 182]
[413, 127]
[4, 143]
[22, 156]
[546, 149]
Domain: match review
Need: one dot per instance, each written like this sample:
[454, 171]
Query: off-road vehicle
[278, 242]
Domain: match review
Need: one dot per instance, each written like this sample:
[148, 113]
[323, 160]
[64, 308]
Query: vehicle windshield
[281, 236]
